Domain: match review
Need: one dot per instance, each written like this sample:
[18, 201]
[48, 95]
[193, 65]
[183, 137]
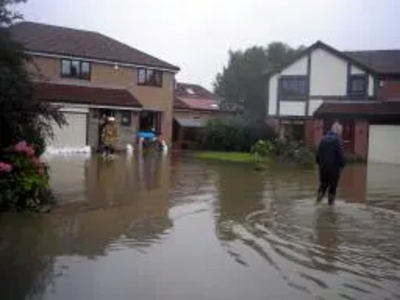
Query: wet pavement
[178, 228]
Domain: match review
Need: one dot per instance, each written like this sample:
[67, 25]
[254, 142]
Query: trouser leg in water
[328, 181]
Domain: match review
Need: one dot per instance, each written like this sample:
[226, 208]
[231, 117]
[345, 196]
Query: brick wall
[309, 132]
[318, 126]
[390, 90]
[361, 139]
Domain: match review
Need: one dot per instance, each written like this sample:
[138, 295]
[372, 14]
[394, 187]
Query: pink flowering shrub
[24, 180]
[23, 147]
[5, 167]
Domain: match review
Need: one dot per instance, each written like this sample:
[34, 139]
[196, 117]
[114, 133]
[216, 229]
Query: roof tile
[79, 43]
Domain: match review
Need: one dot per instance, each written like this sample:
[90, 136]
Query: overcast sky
[197, 34]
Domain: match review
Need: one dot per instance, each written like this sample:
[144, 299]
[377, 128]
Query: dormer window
[75, 69]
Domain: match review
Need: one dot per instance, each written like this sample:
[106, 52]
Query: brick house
[88, 75]
[194, 106]
[361, 89]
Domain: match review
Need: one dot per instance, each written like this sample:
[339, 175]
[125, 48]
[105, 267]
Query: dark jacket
[330, 152]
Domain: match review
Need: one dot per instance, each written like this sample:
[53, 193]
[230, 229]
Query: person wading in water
[109, 135]
[330, 160]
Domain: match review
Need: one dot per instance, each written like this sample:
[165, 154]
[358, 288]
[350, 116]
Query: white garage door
[384, 144]
[72, 135]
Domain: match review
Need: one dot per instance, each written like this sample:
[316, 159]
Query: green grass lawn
[239, 157]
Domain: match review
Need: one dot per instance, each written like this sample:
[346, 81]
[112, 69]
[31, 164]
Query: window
[150, 77]
[293, 86]
[357, 85]
[126, 118]
[75, 69]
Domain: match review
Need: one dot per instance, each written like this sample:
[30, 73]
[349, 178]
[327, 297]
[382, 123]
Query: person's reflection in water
[326, 240]
[148, 168]
[106, 181]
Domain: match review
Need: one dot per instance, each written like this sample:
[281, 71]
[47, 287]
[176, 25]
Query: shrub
[237, 133]
[24, 180]
[263, 148]
[286, 151]
[304, 156]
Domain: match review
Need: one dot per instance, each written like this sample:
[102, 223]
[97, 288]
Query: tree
[7, 16]
[22, 116]
[25, 122]
[241, 82]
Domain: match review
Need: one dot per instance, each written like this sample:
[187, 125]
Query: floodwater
[178, 228]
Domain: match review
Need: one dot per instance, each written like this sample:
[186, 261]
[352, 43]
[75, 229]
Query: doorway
[103, 114]
[150, 121]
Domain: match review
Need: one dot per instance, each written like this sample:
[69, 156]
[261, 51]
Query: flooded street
[178, 228]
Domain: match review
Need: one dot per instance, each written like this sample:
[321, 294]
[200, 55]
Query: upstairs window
[150, 77]
[75, 69]
[293, 87]
[357, 85]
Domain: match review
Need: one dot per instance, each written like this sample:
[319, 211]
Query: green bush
[284, 150]
[237, 133]
[24, 180]
[263, 148]
[304, 156]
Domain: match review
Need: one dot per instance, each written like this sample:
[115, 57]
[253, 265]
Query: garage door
[384, 144]
[72, 135]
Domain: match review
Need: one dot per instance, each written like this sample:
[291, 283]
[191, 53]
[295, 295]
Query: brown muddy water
[178, 228]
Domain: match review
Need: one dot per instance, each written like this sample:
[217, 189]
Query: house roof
[179, 104]
[367, 108]
[200, 104]
[49, 39]
[381, 62]
[57, 92]
[185, 89]
[194, 96]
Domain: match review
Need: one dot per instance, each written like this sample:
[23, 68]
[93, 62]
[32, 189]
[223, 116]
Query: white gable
[356, 71]
[299, 67]
[328, 74]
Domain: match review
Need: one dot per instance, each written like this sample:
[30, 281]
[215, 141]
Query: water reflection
[326, 240]
[153, 226]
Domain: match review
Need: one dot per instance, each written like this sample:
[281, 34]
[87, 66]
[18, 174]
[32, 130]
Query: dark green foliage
[263, 148]
[8, 16]
[234, 134]
[22, 118]
[241, 82]
[285, 151]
